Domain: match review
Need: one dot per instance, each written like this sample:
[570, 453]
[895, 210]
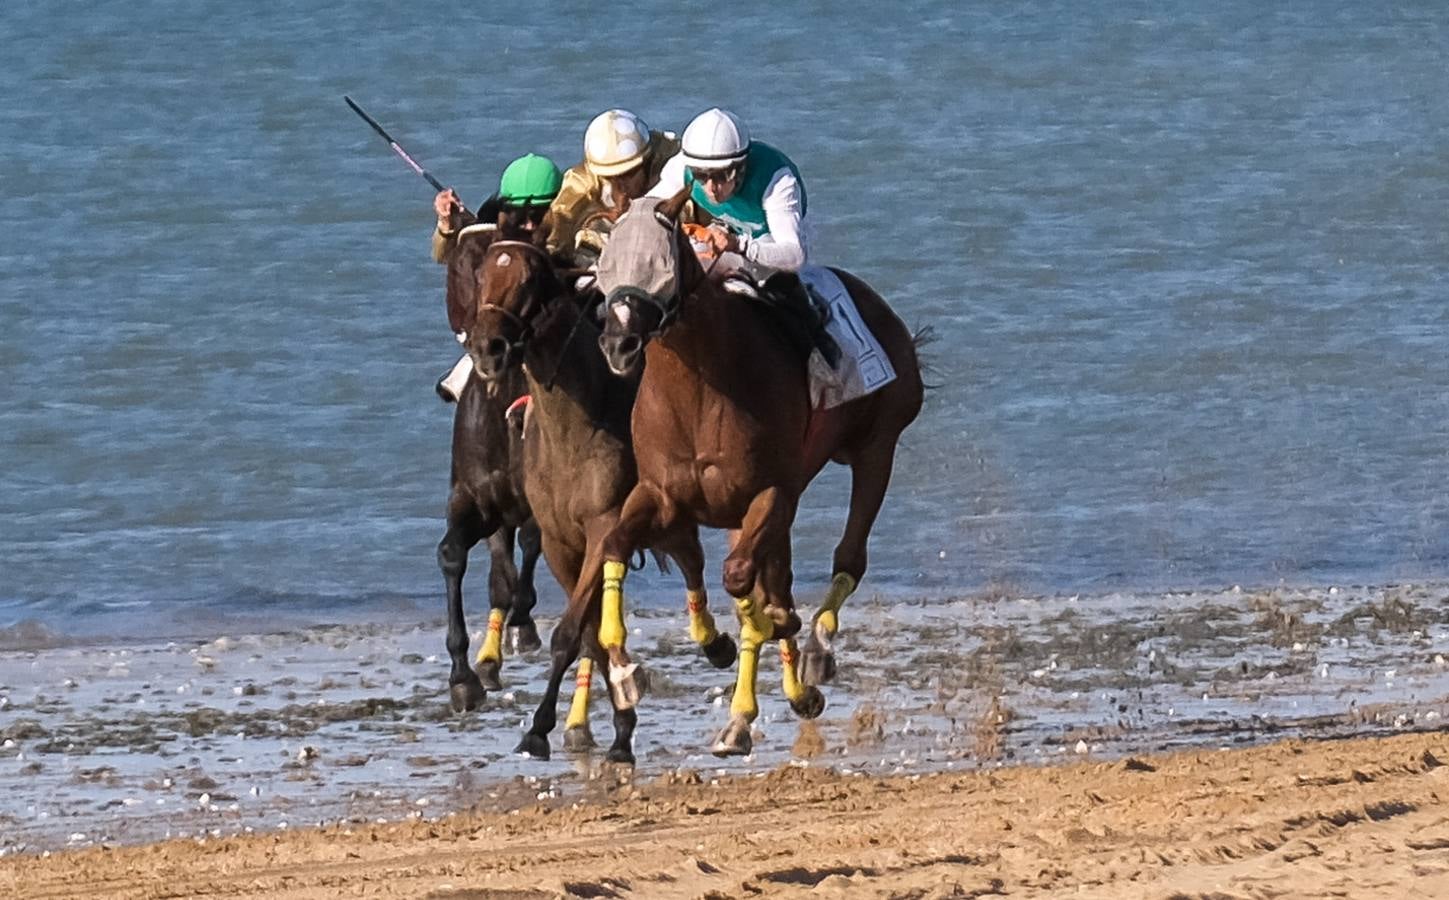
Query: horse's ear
[672, 207]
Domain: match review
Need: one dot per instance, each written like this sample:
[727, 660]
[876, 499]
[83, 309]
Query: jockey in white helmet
[757, 200]
[753, 191]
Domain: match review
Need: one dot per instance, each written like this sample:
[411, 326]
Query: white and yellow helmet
[615, 142]
[715, 139]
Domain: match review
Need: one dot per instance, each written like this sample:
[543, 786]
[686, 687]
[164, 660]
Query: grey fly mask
[641, 260]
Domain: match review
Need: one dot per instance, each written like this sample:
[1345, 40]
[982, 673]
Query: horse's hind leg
[626, 718]
[465, 529]
[522, 633]
[685, 550]
[563, 650]
[805, 700]
[502, 582]
[567, 561]
[578, 736]
[870, 475]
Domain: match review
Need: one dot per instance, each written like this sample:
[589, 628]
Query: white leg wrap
[458, 378]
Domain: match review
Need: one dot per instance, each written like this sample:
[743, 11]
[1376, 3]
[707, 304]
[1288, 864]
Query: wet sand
[1362, 818]
[985, 742]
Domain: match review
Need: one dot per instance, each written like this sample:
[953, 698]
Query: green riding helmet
[530, 180]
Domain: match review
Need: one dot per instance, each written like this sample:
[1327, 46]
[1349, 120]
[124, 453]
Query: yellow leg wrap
[701, 624]
[579, 708]
[841, 586]
[789, 672]
[493, 641]
[755, 629]
[611, 627]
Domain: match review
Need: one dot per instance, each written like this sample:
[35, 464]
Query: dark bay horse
[486, 501]
[725, 437]
[578, 460]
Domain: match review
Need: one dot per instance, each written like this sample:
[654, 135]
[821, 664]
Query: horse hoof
[467, 696]
[734, 739]
[624, 756]
[626, 684]
[488, 670]
[534, 745]
[579, 739]
[523, 639]
[786, 621]
[810, 705]
[721, 651]
[817, 664]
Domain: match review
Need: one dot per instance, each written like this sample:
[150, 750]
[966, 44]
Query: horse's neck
[717, 338]
[568, 378]
[722, 369]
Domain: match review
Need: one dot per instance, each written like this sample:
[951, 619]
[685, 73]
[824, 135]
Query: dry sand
[1362, 818]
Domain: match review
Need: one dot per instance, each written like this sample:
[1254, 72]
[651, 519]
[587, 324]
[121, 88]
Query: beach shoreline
[1362, 817]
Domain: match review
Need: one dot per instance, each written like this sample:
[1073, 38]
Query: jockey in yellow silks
[622, 159]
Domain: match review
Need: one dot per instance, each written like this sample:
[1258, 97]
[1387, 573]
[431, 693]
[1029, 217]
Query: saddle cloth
[864, 366]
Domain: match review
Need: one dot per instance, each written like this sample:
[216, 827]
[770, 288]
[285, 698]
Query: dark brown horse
[578, 460]
[486, 500]
[725, 437]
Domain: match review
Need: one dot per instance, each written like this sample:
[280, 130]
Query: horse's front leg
[639, 517]
[465, 529]
[764, 534]
[870, 475]
[522, 631]
[502, 581]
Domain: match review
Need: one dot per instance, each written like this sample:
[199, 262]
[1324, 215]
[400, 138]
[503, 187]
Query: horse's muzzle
[493, 358]
[622, 352]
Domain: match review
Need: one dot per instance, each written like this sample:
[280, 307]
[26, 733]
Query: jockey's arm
[671, 178]
[568, 209]
[445, 240]
[784, 246]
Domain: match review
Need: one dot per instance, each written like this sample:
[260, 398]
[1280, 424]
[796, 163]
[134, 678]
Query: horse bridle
[667, 307]
[524, 326]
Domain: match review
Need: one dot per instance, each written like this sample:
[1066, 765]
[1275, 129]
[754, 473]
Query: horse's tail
[923, 337]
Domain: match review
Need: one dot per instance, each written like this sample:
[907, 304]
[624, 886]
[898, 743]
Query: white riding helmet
[615, 142]
[715, 139]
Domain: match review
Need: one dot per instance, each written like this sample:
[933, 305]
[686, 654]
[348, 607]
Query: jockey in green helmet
[517, 210]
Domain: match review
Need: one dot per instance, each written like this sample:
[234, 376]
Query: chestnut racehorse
[578, 459]
[725, 437]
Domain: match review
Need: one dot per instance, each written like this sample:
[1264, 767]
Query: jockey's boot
[450, 386]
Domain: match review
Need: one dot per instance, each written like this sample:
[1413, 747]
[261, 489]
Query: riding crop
[397, 148]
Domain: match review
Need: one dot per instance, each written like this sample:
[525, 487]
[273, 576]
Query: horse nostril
[630, 345]
[497, 348]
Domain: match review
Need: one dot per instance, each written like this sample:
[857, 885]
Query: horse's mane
[462, 282]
